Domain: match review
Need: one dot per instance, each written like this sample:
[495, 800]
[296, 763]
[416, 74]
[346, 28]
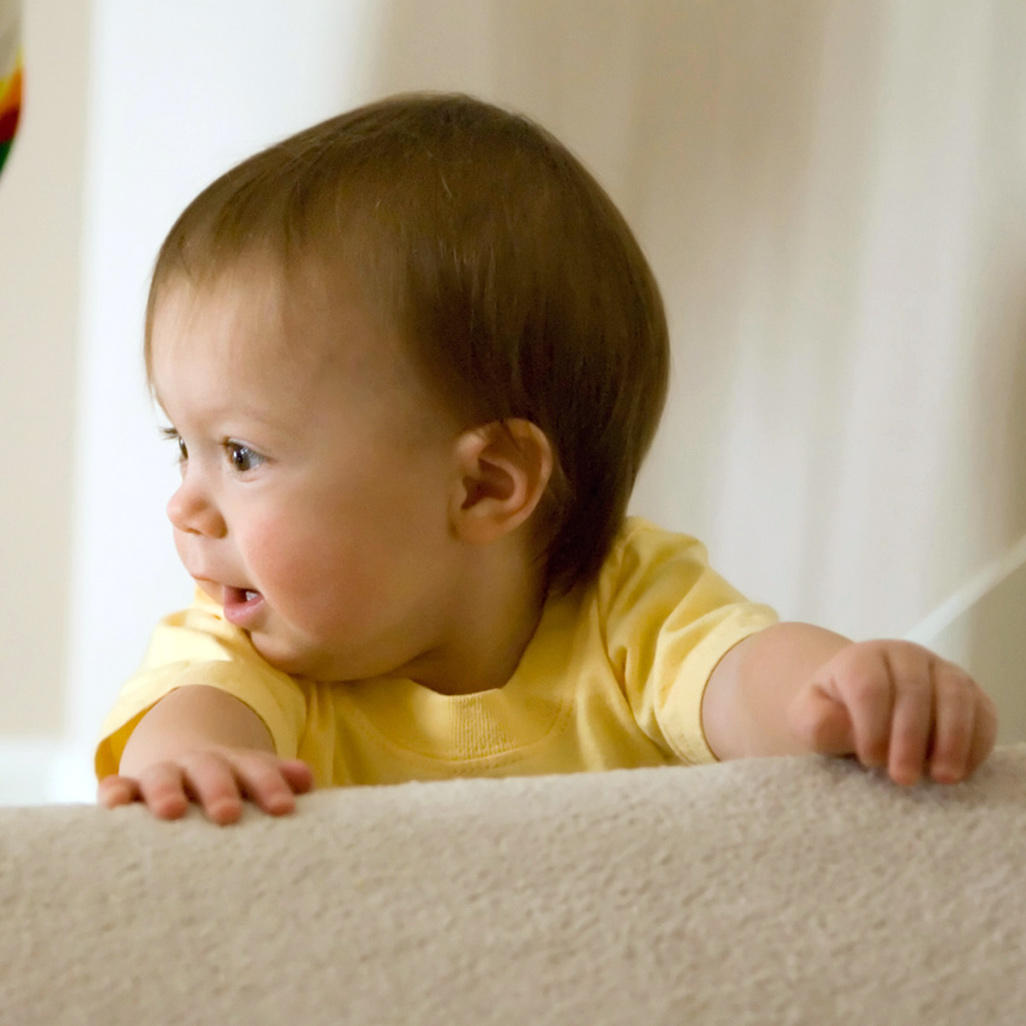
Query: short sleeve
[198, 646]
[669, 619]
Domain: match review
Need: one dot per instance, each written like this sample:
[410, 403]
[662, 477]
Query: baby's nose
[190, 510]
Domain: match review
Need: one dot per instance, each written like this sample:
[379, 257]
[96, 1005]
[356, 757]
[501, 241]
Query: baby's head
[511, 281]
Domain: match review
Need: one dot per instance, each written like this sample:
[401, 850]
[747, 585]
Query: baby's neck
[498, 619]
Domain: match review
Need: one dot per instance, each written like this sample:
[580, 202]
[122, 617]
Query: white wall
[40, 222]
[833, 196]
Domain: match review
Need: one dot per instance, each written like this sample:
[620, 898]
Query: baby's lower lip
[241, 605]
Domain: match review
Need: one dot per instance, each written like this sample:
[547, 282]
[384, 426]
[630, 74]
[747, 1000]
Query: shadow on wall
[989, 637]
[996, 625]
[996, 631]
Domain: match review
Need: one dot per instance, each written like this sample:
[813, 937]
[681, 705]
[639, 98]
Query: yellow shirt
[613, 678]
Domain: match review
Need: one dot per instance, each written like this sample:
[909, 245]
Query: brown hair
[506, 268]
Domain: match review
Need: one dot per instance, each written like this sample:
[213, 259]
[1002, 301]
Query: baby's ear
[504, 470]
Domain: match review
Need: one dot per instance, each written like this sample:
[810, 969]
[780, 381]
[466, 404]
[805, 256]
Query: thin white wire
[969, 594]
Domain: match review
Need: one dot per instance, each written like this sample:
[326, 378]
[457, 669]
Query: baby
[412, 359]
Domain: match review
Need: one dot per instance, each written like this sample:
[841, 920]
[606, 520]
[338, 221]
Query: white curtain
[833, 197]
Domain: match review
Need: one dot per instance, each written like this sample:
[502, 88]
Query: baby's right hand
[218, 779]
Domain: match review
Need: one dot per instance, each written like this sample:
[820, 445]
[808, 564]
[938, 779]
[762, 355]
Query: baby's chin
[297, 660]
[284, 657]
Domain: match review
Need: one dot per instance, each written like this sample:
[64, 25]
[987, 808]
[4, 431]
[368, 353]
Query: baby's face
[316, 475]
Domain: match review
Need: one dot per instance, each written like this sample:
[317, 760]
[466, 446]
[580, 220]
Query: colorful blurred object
[10, 75]
[10, 108]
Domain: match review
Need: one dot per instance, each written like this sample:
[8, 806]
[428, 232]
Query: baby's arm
[201, 744]
[796, 688]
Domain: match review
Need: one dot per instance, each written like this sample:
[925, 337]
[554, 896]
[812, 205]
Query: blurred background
[832, 196]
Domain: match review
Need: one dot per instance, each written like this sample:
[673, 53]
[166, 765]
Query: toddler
[411, 359]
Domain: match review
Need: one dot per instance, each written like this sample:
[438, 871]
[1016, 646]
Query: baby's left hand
[896, 704]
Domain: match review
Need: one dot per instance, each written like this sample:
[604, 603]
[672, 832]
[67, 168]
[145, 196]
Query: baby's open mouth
[241, 605]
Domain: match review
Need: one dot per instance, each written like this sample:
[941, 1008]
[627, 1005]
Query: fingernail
[226, 811]
[945, 774]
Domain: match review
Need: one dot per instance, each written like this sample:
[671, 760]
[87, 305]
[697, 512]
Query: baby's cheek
[280, 557]
[306, 575]
[271, 553]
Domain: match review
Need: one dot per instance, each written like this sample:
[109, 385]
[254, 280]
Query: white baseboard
[43, 771]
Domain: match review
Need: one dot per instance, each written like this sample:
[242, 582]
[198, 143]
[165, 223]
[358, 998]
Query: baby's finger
[116, 790]
[264, 783]
[985, 728]
[866, 687]
[955, 716]
[912, 718]
[297, 774]
[821, 722]
[162, 789]
[211, 780]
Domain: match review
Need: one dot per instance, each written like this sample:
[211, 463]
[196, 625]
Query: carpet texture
[783, 891]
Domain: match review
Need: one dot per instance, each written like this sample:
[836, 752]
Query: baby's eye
[173, 436]
[242, 457]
